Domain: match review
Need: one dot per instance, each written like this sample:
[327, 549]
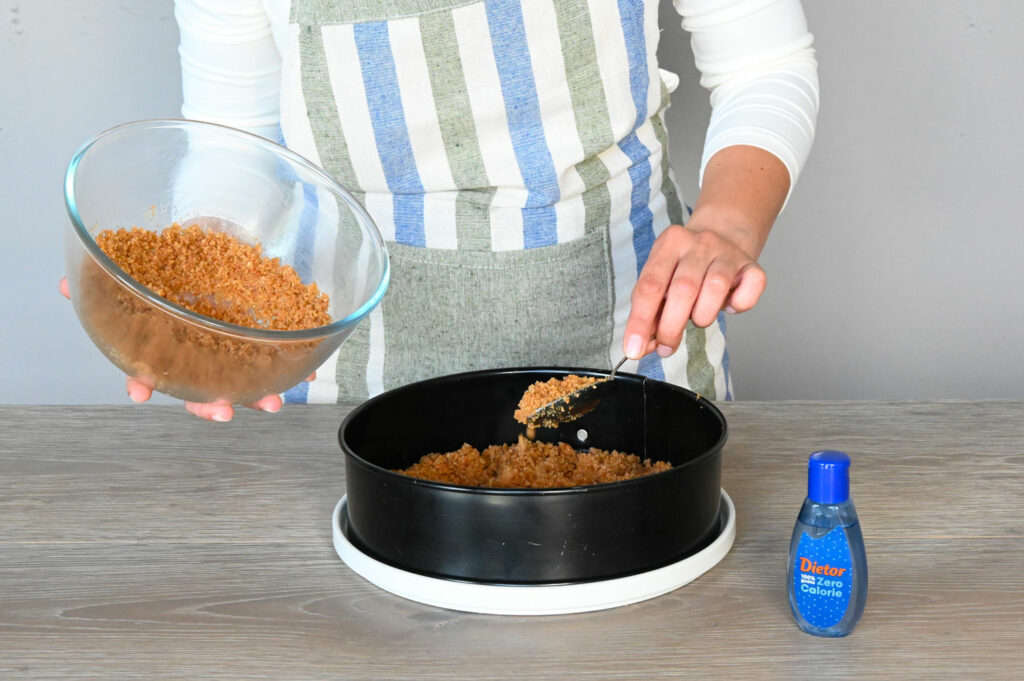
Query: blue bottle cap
[828, 477]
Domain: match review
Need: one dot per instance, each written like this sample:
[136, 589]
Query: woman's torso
[513, 155]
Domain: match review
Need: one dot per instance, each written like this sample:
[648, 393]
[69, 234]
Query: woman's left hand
[691, 273]
[140, 390]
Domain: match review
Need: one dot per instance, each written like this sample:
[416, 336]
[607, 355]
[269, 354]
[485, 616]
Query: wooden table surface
[139, 542]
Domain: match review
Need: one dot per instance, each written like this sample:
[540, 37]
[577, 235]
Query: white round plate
[559, 599]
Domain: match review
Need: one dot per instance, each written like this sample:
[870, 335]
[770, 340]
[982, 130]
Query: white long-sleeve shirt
[755, 57]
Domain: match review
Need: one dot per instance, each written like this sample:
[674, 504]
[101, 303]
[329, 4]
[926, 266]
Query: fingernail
[219, 418]
[133, 398]
[271, 408]
[730, 309]
[663, 350]
[634, 347]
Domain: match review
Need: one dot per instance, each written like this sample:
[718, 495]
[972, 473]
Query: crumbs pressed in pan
[531, 464]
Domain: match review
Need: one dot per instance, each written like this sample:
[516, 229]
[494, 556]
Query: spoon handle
[621, 362]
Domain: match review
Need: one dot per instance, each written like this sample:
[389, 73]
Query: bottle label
[823, 578]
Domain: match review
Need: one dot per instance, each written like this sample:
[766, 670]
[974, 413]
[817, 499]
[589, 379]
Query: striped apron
[513, 155]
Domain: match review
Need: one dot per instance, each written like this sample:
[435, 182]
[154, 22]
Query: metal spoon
[571, 406]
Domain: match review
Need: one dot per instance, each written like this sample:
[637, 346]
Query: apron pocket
[448, 311]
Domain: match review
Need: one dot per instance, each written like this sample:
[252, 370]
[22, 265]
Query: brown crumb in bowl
[184, 359]
[533, 465]
[546, 392]
[215, 274]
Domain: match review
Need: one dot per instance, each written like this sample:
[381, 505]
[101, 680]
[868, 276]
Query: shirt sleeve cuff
[230, 65]
[775, 111]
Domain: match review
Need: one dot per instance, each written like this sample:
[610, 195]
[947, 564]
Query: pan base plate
[555, 599]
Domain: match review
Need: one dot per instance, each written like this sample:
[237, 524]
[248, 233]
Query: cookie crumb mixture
[217, 275]
[530, 464]
[546, 392]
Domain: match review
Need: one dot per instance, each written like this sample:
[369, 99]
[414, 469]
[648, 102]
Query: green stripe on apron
[350, 370]
[593, 124]
[699, 372]
[322, 109]
[668, 187]
[358, 11]
[458, 131]
[590, 109]
[473, 218]
[584, 78]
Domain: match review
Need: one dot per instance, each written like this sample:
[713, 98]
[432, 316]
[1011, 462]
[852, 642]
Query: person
[513, 154]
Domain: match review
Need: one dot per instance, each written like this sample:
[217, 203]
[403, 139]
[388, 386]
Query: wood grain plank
[920, 469]
[263, 477]
[234, 611]
[143, 543]
[149, 474]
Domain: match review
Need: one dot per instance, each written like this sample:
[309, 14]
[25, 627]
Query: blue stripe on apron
[304, 245]
[725, 358]
[632, 16]
[390, 132]
[515, 71]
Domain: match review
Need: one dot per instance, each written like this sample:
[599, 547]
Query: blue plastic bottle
[828, 568]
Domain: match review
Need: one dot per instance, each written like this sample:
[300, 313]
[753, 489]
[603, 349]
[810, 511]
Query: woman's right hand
[221, 411]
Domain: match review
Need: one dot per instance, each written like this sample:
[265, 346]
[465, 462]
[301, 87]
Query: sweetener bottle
[828, 568]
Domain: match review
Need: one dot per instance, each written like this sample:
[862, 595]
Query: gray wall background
[894, 272]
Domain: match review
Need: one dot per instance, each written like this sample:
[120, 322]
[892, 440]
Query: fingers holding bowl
[270, 404]
[221, 411]
[138, 389]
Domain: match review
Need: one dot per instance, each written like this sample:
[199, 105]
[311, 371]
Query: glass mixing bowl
[150, 174]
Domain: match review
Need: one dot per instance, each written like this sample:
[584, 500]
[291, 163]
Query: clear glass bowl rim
[369, 227]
